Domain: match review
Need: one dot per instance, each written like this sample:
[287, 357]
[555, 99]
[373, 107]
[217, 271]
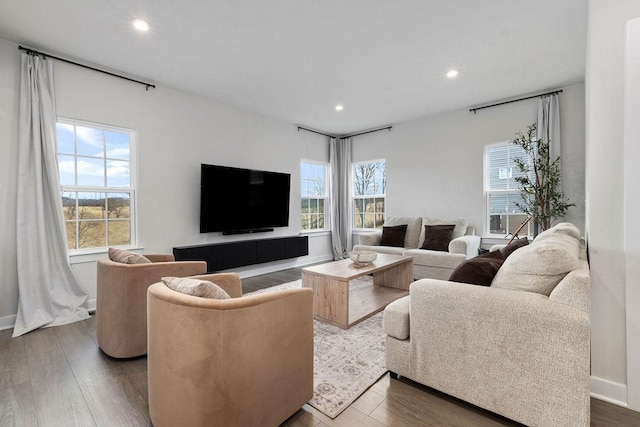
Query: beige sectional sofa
[426, 263]
[519, 348]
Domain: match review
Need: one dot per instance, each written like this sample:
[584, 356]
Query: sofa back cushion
[414, 228]
[574, 288]
[565, 228]
[540, 266]
[459, 230]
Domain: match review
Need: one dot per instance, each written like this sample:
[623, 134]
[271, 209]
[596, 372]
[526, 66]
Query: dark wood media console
[223, 256]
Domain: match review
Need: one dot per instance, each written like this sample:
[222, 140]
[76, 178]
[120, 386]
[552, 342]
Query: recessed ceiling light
[339, 107]
[452, 73]
[140, 25]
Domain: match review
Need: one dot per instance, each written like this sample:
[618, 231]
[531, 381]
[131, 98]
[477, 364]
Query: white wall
[176, 132]
[604, 85]
[435, 164]
[632, 207]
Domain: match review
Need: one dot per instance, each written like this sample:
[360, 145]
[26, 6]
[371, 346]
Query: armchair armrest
[465, 245]
[505, 350]
[370, 239]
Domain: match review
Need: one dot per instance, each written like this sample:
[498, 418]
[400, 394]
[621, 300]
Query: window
[314, 198]
[501, 190]
[369, 186]
[95, 163]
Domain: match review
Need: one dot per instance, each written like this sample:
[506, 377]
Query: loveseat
[519, 347]
[434, 264]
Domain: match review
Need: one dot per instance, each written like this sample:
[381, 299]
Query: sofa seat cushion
[414, 229]
[435, 258]
[390, 250]
[395, 322]
[541, 265]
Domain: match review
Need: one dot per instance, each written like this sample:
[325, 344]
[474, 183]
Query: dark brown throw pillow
[494, 254]
[437, 237]
[479, 270]
[515, 244]
[393, 236]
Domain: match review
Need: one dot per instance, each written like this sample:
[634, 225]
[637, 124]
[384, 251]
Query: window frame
[327, 217]
[353, 197]
[528, 230]
[131, 190]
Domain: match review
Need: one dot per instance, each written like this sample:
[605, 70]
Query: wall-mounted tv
[235, 200]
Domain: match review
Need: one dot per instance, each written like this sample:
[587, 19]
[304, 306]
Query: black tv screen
[234, 200]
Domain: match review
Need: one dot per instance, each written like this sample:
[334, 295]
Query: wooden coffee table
[335, 302]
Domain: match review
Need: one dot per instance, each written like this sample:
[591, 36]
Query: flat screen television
[235, 200]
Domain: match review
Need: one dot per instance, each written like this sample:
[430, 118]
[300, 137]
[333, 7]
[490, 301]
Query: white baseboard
[609, 391]
[7, 322]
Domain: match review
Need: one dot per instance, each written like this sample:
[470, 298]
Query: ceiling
[294, 60]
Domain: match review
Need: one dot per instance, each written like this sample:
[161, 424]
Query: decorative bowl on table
[362, 258]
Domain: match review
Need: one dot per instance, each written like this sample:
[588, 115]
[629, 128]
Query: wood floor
[59, 377]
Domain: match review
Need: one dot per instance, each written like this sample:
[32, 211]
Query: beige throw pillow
[126, 257]
[195, 287]
[565, 228]
[540, 266]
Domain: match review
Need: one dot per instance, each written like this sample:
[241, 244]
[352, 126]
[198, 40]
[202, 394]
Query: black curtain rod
[344, 136]
[515, 100]
[369, 131]
[46, 55]
[315, 131]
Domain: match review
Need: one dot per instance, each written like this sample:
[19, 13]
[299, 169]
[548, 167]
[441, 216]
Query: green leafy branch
[541, 198]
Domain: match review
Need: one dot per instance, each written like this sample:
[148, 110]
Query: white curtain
[548, 127]
[340, 161]
[49, 292]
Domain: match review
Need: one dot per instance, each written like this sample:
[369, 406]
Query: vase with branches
[539, 180]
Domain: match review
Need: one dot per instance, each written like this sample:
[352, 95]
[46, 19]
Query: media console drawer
[223, 256]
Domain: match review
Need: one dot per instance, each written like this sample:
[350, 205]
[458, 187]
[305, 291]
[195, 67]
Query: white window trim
[87, 254]
[487, 215]
[353, 197]
[327, 199]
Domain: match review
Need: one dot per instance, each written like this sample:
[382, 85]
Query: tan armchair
[121, 311]
[244, 361]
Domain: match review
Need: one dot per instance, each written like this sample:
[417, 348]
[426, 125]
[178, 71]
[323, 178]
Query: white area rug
[345, 362]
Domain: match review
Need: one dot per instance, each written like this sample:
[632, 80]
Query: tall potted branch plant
[539, 180]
